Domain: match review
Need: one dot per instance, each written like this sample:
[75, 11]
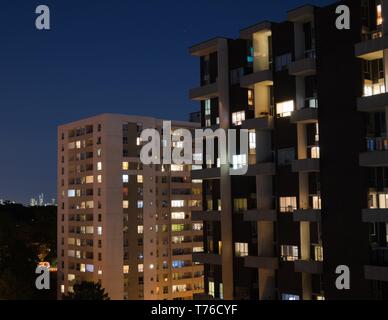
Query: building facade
[123, 224]
[314, 100]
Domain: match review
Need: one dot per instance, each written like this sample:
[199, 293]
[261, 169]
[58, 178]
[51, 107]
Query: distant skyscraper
[33, 202]
[41, 199]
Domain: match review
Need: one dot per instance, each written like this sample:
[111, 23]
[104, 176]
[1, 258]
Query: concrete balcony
[205, 92]
[306, 115]
[262, 169]
[265, 123]
[206, 216]
[374, 103]
[206, 47]
[270, 263]
[371, 49]
[207, 258]
[305, 165]
[260, 215]
[301, 14]
[264, 77]
[376, 273]
[374, 159]
[303, 67]
[307, 215]
[310, 267]
[375, 215]
[206, 174]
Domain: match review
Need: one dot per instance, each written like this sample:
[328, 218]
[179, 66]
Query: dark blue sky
[119, 56]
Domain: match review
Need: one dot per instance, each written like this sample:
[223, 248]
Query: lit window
[78, 144]
[62, 288]
[207, 107]
[176, 168]
[241, 249]
[379, 15]
[239, 161]
[125, 165]
[290, 297]
[99, 152]
[240, 205]
[140, 204]
[287, 204]
[177, 203]
[125, 204]
[177, 215]
[315, 152]
[89, 179]
[221, 291]
[250, 98]
[140, 267]
[284, 109]
[89, 268]
[152, 266]
[99, 178]
[197, 226]
[211, 289]
[71, 193]
[289, 253]
[125, 178]
[138, 142]
[317, 203]
[252, 142]
[99, 166]
[140, 229]
[139, 179]
[238, 118]
[99, 231]
[82, 267]
[99, 271]
[125, 269]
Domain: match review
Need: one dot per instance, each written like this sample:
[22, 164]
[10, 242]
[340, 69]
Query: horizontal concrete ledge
[206, 216]
[270, 263]
[204, 174]
[262, 169]
[310, 267]
[207, 258]
[375, 215]
[264, 123]
[374, 103]
[303, 68]
[307, 215]
[306, 165]
[205, 92]
[264, 77]
[306, 115]
[374, 159]
[205, 47]
[376, 273]
[260, 215]
[371, 49]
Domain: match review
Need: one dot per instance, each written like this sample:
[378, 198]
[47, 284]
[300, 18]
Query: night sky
[116, 56]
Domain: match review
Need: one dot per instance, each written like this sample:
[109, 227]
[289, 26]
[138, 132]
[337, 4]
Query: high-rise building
[123, 224]
[314, 99]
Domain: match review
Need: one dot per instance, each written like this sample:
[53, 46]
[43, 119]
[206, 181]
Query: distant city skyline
[100, 57]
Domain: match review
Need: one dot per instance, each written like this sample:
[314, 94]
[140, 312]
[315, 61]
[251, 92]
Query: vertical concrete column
[384, 5]
[302, 141]
[225, 179]
[300, 92]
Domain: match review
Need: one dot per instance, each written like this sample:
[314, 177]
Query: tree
[88, 291]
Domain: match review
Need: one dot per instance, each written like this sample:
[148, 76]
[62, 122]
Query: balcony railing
[377, 144]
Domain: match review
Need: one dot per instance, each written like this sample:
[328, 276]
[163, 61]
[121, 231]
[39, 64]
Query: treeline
[28, 235]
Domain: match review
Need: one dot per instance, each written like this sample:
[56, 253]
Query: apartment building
[314, 100]
[123, 224]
